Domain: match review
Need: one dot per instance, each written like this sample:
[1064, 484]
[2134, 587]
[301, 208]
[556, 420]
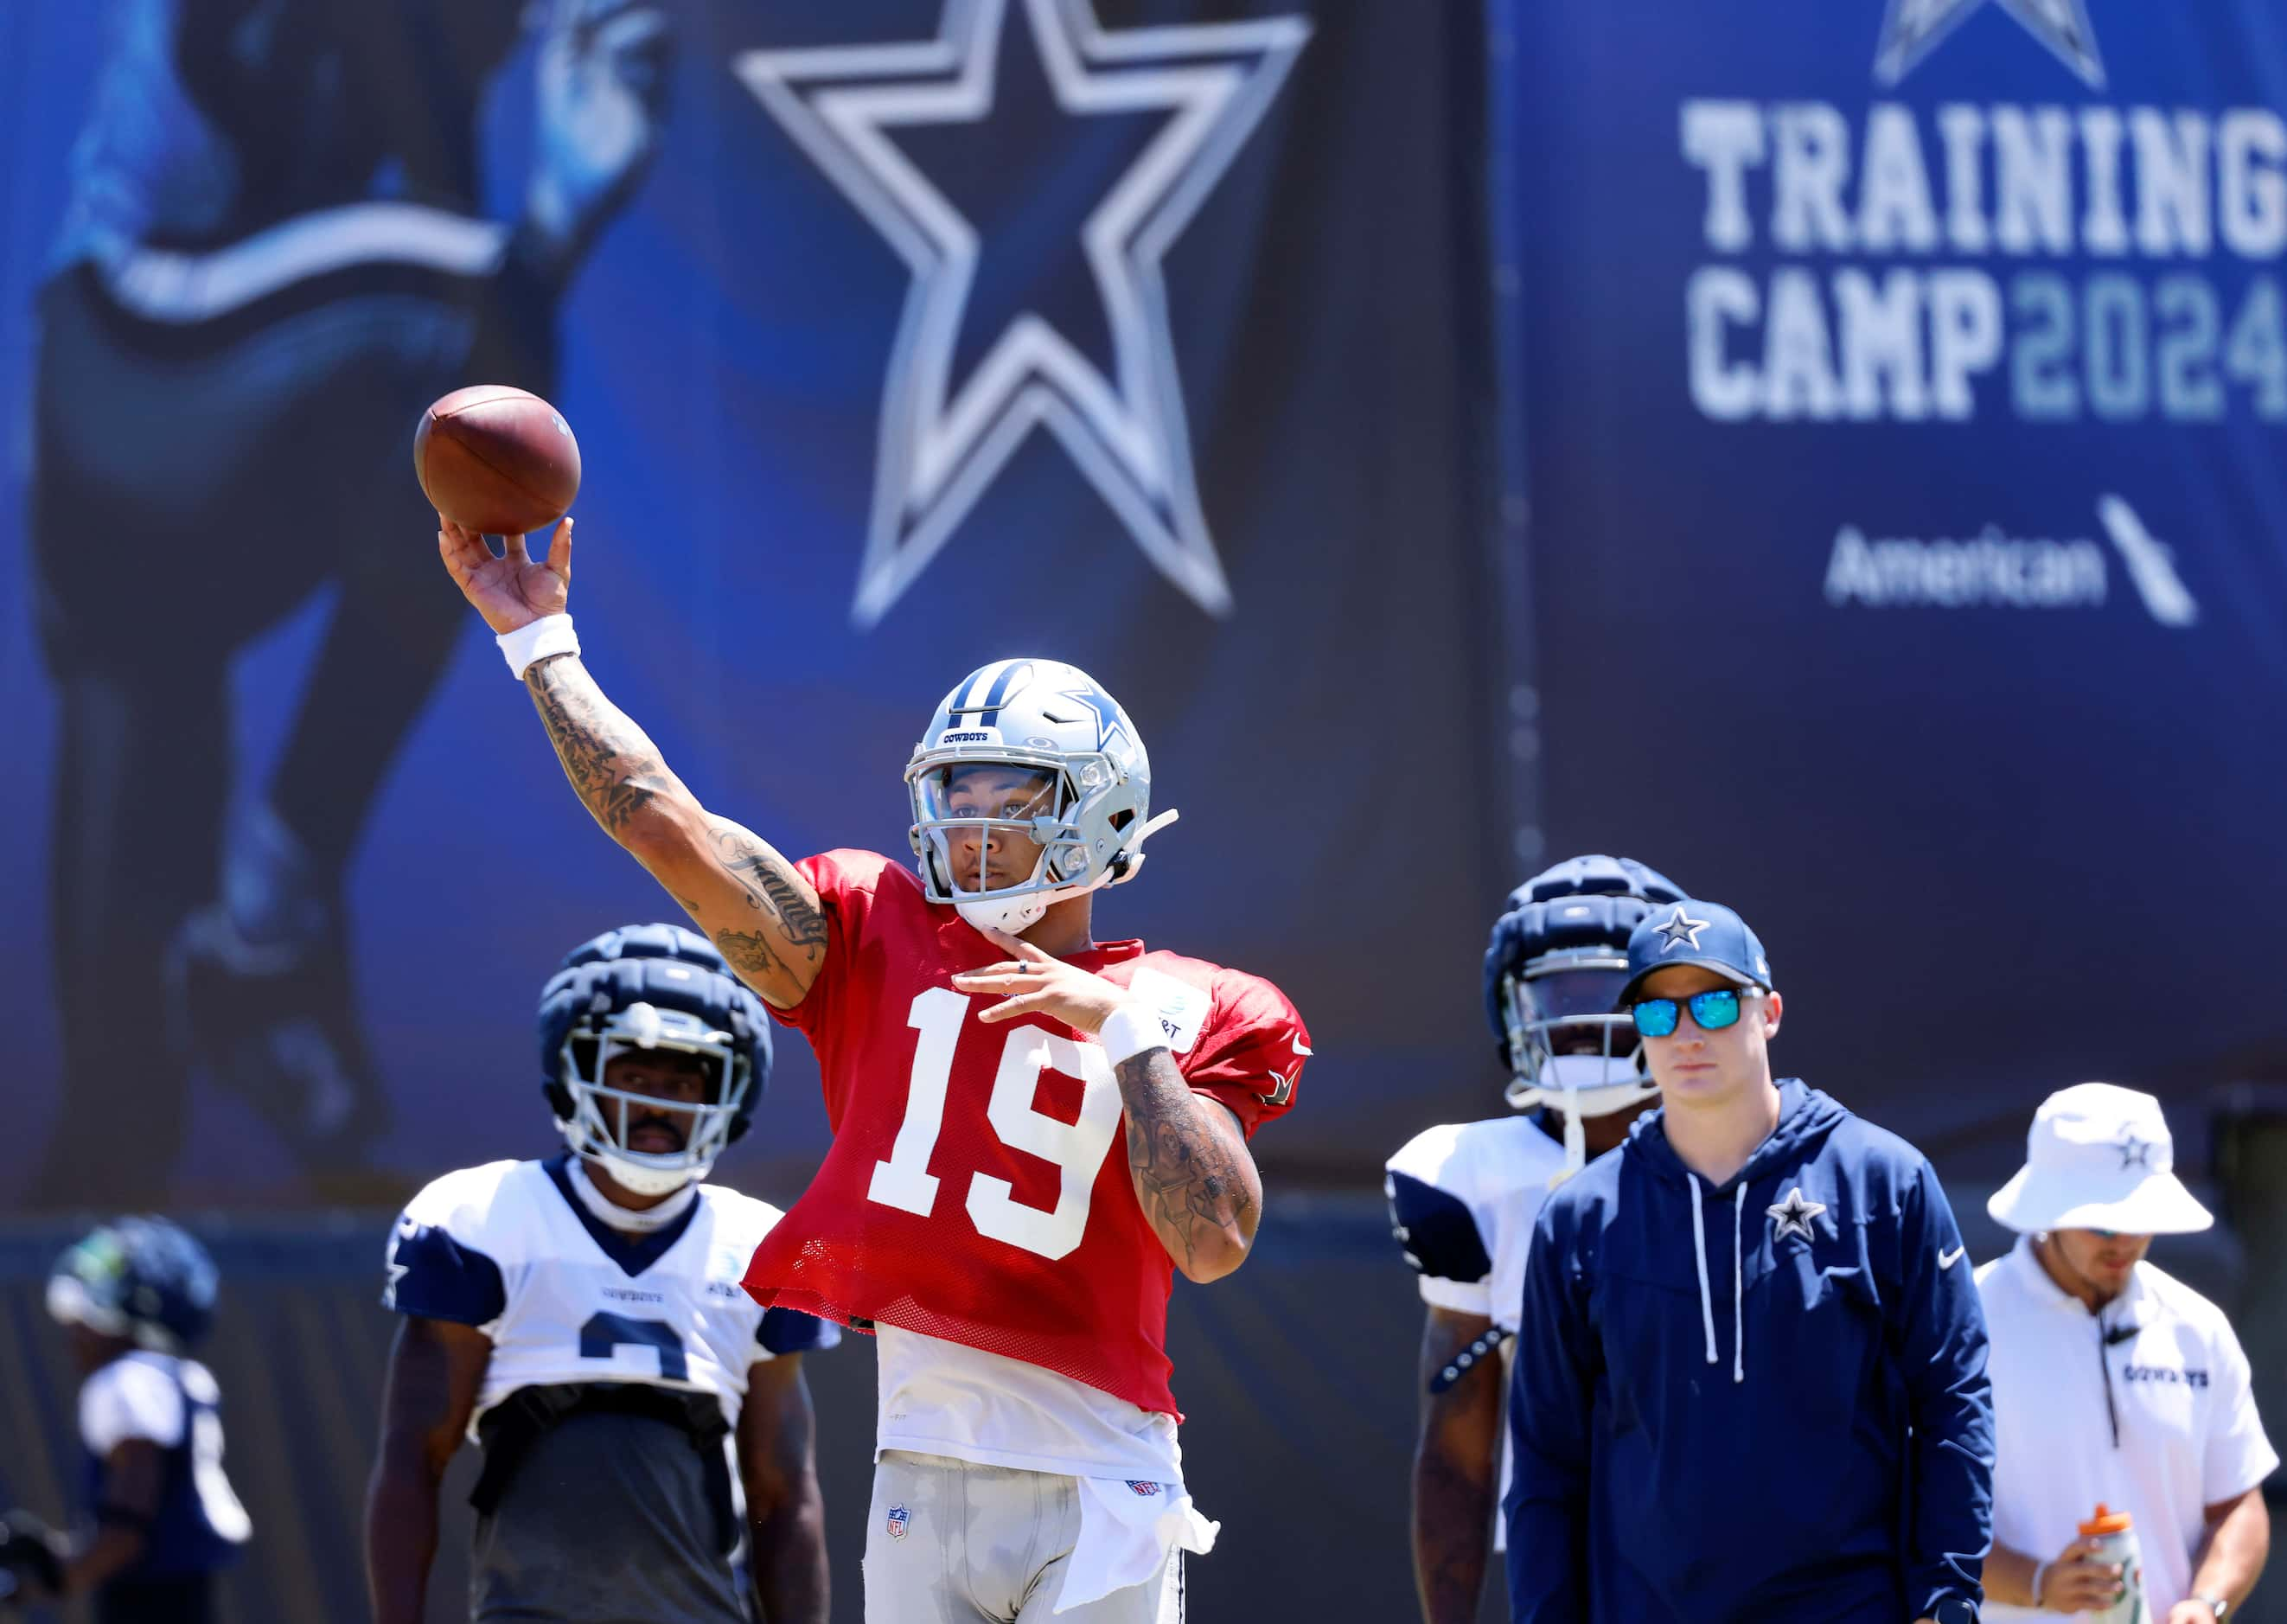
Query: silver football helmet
[1032, 749]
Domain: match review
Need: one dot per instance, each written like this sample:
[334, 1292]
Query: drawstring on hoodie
[1739, 1287]
[1738, 1279]
[1699, 1256]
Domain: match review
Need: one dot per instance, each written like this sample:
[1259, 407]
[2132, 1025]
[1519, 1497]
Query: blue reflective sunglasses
[1711, 1011]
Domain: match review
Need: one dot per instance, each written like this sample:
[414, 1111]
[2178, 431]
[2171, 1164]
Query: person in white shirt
[2113, 1382]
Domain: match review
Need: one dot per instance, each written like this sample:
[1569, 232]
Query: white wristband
[1131, 1029]
[530, 644]
[2040, 1572]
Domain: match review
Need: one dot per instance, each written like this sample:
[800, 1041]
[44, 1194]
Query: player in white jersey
[645, 1427]
[1463, 1196]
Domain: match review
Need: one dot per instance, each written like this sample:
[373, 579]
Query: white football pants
[951, 1542]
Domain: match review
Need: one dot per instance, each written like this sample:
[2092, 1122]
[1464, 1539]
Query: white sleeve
[2238, 1455]
[1436, 1211]
[1470, 1298]
[448, 1255]
[130, 1398]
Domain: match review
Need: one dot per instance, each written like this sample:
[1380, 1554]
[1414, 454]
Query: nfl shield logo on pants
[898, 1517]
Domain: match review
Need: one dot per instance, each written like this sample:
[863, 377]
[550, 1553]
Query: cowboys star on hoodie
[1765, 1399]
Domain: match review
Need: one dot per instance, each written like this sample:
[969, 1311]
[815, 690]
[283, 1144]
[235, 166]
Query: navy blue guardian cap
[1706, 934]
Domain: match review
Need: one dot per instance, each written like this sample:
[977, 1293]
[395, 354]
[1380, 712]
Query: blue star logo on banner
[945, 438]
[1915, 28]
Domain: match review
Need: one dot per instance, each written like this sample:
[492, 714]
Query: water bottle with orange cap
[2113, 1537]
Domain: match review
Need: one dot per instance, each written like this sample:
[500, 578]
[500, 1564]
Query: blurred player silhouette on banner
[273, 256]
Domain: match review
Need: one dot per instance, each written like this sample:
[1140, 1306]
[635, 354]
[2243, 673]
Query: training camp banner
[1901, 386]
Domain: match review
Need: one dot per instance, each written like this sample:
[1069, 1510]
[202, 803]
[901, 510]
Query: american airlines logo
[1990, 568]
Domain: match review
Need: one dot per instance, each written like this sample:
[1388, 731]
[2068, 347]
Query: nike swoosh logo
[1946, 1260]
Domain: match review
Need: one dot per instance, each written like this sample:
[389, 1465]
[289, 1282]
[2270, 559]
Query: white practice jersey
[507, 1247]
[1462, 1201]
[1463, 1198]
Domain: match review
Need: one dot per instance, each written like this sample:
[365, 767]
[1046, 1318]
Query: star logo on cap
[1792, 1216]
[2135, 1152]
[1682, 930]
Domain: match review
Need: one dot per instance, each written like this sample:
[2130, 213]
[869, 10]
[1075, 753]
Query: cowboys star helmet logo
[866, 113]
[2135, 1152]
[1682, 930]
[1913, 28]
[1793, 1215]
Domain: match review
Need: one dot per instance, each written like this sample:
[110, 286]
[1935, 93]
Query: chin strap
[1133, 850]
[605, 1210]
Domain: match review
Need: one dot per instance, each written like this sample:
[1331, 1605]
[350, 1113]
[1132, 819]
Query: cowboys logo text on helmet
[645, 988]
[1553, 973]
[1031, 748]
[143, 1278]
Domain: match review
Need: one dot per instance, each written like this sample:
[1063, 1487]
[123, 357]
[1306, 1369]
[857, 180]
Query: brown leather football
[497, 460]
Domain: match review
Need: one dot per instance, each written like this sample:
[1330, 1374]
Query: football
[497, 460]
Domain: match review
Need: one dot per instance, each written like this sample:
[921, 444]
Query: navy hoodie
[1763, 1401]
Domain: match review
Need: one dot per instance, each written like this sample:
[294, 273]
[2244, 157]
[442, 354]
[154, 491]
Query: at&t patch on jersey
[1182, 1009]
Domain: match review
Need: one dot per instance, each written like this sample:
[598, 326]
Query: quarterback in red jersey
[981, 1053]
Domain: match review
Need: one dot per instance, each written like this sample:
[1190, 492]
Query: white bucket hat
[2099, 1157]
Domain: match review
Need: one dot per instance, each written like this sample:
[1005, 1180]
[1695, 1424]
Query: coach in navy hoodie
[1750, 1380]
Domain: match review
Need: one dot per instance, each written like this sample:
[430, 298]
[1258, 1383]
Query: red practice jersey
[977, 1187]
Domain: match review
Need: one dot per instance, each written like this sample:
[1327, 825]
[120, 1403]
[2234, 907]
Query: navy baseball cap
[1693, 932]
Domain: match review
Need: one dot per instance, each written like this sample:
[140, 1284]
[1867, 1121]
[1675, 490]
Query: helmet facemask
[597, 1128]
[1568, 1049]
[1067, 808]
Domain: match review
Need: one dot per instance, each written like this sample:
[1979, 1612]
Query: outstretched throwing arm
[749, 899]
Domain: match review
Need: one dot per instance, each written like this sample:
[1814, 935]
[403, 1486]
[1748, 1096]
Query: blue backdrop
[1203, 307]
[1901, 393]
[1864, 501]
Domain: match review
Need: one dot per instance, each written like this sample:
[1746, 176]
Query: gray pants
[950, 1542]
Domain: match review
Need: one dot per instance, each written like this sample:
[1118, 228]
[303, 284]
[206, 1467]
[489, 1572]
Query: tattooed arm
[1191, 1167]
[751, 902]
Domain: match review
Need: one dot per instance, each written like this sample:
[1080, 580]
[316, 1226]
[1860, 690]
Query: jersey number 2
[606, 1333]
[1078, 1149]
